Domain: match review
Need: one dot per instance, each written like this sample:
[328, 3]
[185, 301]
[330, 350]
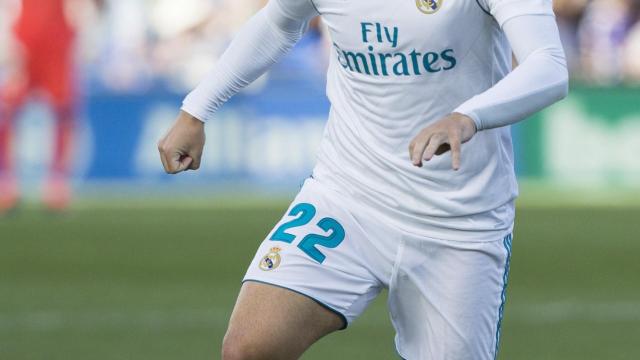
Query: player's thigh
[269, 322]
[317, 261]
[447, 299]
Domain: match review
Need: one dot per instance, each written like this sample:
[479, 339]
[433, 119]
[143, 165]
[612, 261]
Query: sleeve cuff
[190, 107]
[473, 115]
[200, 116]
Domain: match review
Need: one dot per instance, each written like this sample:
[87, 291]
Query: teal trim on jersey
[340, 315]
[395, 346]
[503, 297]
[314, 6]
[483, 9]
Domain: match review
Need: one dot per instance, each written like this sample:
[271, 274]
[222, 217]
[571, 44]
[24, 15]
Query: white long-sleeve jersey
[395, 68]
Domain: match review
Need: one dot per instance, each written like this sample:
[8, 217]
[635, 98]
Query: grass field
[159, 283]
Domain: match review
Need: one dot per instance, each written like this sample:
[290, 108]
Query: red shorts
[48, 69]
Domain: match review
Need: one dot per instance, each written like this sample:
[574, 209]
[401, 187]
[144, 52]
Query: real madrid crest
[272, 260]
[429, 6]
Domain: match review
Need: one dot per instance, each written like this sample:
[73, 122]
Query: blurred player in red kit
[43, 66]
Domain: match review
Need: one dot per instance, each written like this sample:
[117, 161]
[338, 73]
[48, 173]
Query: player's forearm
[264, 40]
[540, 80]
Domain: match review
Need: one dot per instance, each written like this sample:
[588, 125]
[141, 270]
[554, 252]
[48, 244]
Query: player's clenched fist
[447, 134]
[181, 148]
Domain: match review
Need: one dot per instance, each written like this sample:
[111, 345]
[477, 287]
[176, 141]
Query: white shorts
[446, 298]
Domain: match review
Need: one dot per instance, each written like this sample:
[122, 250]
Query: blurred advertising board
[266, 138]
[591, 139]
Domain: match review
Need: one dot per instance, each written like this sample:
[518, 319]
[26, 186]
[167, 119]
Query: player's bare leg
[273, 323]
[11, 100]
[9, 190]
[57, 192]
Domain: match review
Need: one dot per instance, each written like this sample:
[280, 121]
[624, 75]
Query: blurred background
[103, 256]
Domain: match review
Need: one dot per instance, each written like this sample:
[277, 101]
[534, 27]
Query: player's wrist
[189, 120]
[469, 127]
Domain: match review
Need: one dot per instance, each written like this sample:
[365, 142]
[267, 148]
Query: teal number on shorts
[304, 213]
[308, 244]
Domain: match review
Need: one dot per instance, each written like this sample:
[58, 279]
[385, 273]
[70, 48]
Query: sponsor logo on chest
[393, 61]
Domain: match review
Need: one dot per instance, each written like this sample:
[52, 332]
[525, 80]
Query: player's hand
[447, 134]
[181, 148]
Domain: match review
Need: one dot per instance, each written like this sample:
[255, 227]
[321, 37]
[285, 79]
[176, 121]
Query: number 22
[304, 213]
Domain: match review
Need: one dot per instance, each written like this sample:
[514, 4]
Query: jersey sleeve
[504, 10]
[261, 42]
[540, 80]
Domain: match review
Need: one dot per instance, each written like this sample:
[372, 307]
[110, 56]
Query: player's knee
[242, 348]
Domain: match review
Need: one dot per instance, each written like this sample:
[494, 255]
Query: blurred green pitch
[159, 283]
